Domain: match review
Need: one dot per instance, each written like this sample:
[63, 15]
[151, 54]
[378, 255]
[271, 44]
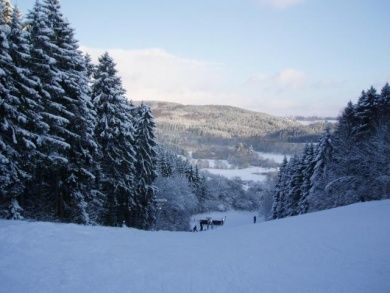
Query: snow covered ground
[309, 122]
[216, 163]
[341, 250]
[246, 174]
[277, 158]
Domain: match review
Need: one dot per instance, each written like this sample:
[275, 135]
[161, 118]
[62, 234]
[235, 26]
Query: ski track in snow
[340, 250]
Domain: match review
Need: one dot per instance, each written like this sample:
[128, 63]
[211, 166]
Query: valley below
[233, 142]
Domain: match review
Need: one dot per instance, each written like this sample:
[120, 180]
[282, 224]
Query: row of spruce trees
[351, 164]
[169, 164]
[72, 148]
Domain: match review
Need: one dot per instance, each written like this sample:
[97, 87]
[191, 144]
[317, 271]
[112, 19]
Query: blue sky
[284, 57]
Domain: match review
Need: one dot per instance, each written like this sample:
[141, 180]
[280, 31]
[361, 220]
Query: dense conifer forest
[72, 148]
[350, 164]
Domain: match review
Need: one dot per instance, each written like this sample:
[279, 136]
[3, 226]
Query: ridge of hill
[196, 127]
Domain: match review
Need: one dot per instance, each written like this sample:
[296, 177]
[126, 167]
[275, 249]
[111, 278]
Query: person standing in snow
[254, 219]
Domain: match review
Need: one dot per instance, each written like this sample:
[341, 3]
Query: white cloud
[286, 79]
[155, 74]
[158, 75]
[280, 4]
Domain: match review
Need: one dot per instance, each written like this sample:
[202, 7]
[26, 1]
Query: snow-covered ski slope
[341, 250]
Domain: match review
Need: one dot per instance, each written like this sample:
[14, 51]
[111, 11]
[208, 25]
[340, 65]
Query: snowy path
[340, 250]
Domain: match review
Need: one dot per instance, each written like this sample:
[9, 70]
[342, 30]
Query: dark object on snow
[254, 220]
[208, 222]
[205, 222]
[195, 229]
[218, 222]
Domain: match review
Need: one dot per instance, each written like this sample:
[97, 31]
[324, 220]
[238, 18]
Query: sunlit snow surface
[310, 122]
[341, 250]
[277, 158]
[258, 174]
[255, 174]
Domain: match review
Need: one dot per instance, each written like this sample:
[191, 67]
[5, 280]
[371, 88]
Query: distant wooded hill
[204, 130]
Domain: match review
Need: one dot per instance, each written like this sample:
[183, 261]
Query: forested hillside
[205, 129]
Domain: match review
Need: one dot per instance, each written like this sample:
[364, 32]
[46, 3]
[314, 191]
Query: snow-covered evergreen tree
[7, 11]
[295, 186]
[308, 169]
[384, 102]
[30, 129]
[346, 123]
[323, 156]
[278, 191]
[146, 164]
[165, 166]
[366, 113]
[65, 177]
[115, 136]
[48, 182]
[45, 69]
[169, 163]
[77, 109]
[199, 185]
[11, 173]
[89, 66]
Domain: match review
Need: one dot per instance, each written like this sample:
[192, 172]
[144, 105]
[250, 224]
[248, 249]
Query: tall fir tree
[146, 165]
[65, 177]
[11, 173]
[295, 185]
[115, 136]
[308, 169]
[286, 188]
[90, 67]
[278, 191]
[45, 69]
[165, 167]
[366, 113]
[78, 110]
[31, 127]
[323, 158]
[384, 102]
[346, 123]
[48, 182]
